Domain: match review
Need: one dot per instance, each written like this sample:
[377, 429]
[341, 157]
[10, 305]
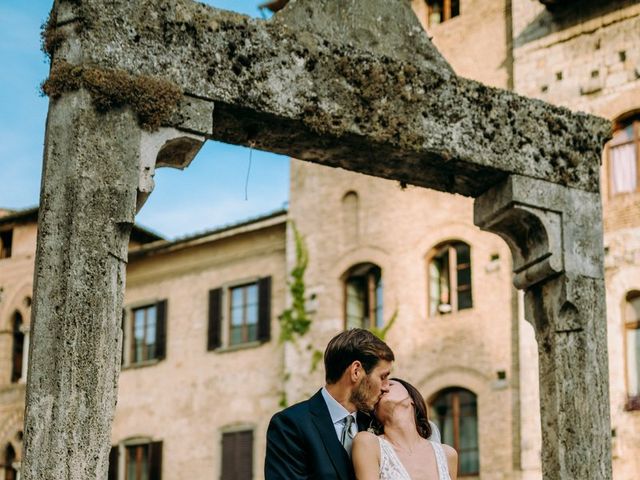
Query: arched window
[624, 157]
[632, 330]
[18, 345]
[442, 10]
[363, 296]
[10, 473]
[450, 278]
[455, 412]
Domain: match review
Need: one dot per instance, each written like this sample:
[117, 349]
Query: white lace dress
[391, 467]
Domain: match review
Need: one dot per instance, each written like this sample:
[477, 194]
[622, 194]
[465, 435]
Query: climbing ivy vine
[294, 321]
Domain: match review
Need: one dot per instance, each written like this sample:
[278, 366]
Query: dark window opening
[18, 347]
[6, 243]
[10, 473]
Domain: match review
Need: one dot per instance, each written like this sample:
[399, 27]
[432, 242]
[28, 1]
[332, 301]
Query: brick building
[202, 366]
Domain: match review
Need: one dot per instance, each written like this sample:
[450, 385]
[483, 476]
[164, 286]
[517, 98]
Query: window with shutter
[147, 330]
[237, 455]
[442, 10]
[449, 275]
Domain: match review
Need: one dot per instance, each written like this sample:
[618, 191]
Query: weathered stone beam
[293, 85]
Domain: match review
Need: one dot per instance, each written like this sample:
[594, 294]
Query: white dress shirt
[338, 414]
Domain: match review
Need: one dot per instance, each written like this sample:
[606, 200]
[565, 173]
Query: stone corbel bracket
[173, 146]
[544, 240]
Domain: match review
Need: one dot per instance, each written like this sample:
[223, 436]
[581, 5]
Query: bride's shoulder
[450, 452]
[366, 438]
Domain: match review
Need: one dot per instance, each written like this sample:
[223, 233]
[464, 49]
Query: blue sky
[211, 192]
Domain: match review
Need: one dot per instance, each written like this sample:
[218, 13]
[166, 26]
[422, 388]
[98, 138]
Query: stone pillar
[98, 171]
[555, 236]
[87, 208]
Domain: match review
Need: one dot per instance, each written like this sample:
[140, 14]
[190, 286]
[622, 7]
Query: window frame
[121, 467]
[634, 121]
[447, 11]
[221, 321]
[132, 332]
[372, 289]
[228, 309]
[456, 416]
[632, 401]
[453, 266]
[128, 326]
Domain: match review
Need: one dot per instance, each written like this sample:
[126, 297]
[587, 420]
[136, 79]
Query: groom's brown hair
[351, 345]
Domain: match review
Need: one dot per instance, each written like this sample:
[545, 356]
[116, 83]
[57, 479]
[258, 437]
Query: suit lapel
[324, 425]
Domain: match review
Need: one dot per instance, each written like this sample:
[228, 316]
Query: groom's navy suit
[302, 444]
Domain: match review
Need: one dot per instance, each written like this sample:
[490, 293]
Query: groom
[312, 439]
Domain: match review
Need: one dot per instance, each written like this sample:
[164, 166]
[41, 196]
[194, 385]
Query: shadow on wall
[567, 14]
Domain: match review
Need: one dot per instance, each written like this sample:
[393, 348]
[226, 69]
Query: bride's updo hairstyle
[419, 409]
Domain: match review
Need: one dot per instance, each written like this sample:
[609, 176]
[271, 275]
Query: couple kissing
[361, 425]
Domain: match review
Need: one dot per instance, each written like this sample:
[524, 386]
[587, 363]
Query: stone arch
[365, 255]
[465, 378]
[460, 376]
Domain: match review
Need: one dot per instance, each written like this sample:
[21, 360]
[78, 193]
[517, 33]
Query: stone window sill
[146, 363]
[240, 346]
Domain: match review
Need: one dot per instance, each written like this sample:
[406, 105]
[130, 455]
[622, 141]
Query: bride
[403, 450]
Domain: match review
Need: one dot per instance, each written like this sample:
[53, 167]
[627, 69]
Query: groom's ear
[356, 371]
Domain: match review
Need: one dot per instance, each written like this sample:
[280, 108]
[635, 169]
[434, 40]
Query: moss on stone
[51, 37]
[153, 99]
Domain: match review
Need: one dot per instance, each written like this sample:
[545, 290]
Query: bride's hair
[419, 409]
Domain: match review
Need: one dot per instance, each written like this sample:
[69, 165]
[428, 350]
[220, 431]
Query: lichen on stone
[153, 99]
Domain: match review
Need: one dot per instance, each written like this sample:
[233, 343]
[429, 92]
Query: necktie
[347, 436]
